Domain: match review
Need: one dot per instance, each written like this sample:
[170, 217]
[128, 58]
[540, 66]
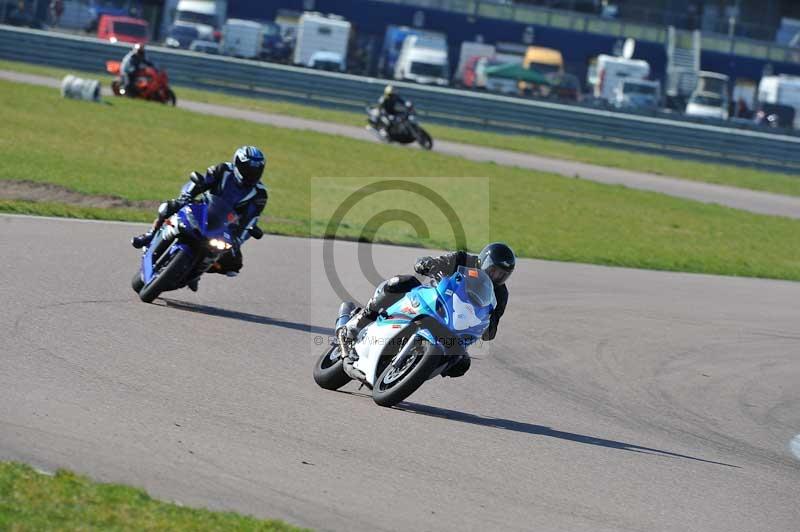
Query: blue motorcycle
[417, 338]
[186, 246]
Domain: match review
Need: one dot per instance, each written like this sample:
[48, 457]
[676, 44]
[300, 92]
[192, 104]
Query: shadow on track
[540, 430]
[244, 316]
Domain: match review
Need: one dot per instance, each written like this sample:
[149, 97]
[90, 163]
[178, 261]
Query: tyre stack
[80, 89]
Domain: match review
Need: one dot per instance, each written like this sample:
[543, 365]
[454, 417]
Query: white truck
[423, 59]
[612, 70]
[319, 33]
[205, 15]
[242, 38]
[781, 90]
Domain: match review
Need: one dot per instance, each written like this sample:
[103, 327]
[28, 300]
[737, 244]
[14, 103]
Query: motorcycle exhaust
[80, 89]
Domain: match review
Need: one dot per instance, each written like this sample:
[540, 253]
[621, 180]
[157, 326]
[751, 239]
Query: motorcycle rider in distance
[133, 61]
[387, 107]
[496, 259]
[238, 182]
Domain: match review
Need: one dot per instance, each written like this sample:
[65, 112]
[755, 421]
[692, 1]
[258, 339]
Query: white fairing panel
[464, 314]
[370, 344]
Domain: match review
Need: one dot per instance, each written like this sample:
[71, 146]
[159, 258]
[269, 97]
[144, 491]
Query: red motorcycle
[151, 84]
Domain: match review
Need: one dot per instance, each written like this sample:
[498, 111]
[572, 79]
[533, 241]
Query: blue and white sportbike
[417, 338]
[187, 245]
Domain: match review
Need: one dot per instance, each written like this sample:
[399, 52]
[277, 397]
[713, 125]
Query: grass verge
[33, 501]
[736, 176]
[140, 151]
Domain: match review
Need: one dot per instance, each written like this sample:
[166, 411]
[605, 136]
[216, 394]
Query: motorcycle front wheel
[168, 276]
[395, 384]
[424, 139]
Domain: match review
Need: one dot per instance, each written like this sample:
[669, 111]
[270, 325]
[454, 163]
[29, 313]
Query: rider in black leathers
[496, 259]
[388, 104]
[238, 181]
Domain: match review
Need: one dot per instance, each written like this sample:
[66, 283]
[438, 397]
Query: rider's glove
[423, 265]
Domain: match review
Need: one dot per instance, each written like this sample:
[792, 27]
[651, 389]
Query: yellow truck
[546, 61]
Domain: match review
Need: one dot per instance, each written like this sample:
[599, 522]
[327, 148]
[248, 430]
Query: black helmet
[498, 261]
[248, 165]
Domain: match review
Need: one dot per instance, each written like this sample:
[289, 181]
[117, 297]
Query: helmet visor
[497, 274]
[250, 171]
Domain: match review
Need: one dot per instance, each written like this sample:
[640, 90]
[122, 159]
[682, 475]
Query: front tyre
[171, 98]
[328, 371]
[168, 276]
[136, 283]
[424, 139]
[396, 384]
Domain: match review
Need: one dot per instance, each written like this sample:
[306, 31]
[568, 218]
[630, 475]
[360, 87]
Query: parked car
[774, 115]
[331, 61]
[707, 105]
[639, 94]
[122, 29]
[206, 47]
[181, 36]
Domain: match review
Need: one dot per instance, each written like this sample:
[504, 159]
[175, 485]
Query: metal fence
[467, 109]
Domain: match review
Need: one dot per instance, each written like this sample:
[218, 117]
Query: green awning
[517, 73]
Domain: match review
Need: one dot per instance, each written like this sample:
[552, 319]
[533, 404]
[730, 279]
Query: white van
[319, 33]
[423, 59]
[242, 38]
[781, 90]
[612, 70]
[205, 15]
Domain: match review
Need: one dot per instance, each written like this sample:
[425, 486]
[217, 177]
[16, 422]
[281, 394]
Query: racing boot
[165, 210]
[349, 331]
[193, 284]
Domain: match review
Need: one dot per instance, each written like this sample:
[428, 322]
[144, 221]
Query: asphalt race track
[737, 198]
[613, 399]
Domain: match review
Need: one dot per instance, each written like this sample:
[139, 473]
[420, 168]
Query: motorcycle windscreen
[478, 286]
[221, 215]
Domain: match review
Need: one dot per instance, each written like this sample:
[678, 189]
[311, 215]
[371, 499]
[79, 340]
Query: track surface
[614, 399]
[749, 200]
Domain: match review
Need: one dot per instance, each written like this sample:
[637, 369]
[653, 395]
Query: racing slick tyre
[424, 139]
[136, 283]
[167, 276]
[328, 371]
[395, 384]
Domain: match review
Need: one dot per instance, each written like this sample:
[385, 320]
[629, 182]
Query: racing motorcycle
[417, 338]
[151, 84]
[186, 246]
[404, 129]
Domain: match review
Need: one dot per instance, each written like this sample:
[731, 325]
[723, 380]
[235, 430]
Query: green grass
[143, 151]
[737, 176]
[33, 501]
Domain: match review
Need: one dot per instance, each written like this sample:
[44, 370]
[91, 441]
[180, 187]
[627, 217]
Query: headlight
[221, 245]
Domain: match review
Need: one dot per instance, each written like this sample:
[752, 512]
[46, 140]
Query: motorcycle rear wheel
[328, 371]
[167, 277]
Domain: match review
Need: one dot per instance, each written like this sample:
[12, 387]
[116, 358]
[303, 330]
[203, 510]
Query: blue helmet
[248, 165]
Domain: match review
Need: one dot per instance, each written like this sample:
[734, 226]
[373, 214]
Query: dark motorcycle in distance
[187, 246]
[403, 129]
